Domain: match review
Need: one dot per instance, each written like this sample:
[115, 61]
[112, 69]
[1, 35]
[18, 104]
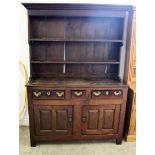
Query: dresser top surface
[75, 83]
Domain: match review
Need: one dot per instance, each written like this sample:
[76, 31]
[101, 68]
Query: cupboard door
[53, 120]
[100, 119]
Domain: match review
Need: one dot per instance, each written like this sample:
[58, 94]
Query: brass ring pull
[97, 93]
[117, 93]
[76, 93]
[60, 94]
[48, 93]
[37, 94]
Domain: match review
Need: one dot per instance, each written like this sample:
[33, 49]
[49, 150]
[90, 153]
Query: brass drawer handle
[60, 94]
[37, 94]
[117, 93]
[76, 93]
[48, 93]
[96, 93]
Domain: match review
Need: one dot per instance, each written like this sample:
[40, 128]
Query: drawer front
[78, 94]
[48, 94]
[99, 94]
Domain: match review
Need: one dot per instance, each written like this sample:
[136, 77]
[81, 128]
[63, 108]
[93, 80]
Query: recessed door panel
[108, 119]
[93, 119]
[45, 120]
[61, 120]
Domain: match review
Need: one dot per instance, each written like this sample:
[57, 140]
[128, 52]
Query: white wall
[24, 48]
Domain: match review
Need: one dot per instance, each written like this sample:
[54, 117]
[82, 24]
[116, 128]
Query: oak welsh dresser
[78, 55]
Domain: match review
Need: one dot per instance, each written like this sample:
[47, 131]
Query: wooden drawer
[78, 94]
[99, 94]
[48, 94]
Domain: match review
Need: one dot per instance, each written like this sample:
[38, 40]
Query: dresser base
[72, 113]
[42, 140]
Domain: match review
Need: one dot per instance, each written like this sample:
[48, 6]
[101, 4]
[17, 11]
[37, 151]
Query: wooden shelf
[111, 76]
[73, 62]
[74, 81]
[73, 40]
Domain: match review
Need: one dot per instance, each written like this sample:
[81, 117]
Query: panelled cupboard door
[100, 119]
[53, 120]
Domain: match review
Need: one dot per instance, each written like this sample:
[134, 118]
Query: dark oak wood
[33, 40]
[73, 62]
[76, 89]
[31, 117]
[53, 120]
[100, 119]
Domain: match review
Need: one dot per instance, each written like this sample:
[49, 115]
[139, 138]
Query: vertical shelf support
[64, 65]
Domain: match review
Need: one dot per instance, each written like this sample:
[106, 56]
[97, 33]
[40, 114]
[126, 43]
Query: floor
[92, 147]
